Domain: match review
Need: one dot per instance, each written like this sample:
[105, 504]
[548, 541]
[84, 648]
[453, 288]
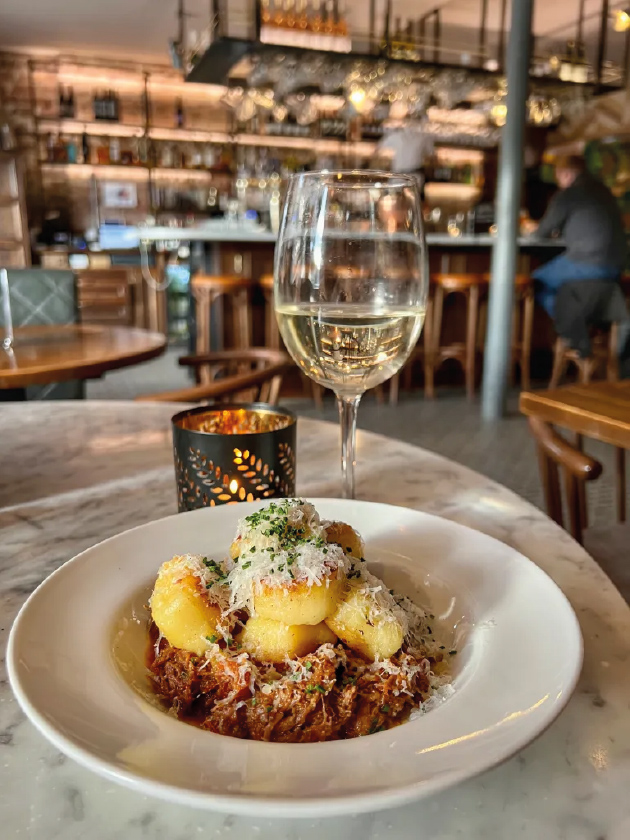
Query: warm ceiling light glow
[357, 97]
[233, 485]
[622, 20]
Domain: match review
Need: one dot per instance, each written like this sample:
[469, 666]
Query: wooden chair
[209, 293]
[470, 286]
[607, 545]
[604, 355]
[555, 453]
[253, 375]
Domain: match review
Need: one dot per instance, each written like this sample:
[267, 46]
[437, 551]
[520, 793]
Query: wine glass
[351, 281]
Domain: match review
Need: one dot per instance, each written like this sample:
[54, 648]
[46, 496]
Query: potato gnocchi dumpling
[344, 535]
[272, 641]
[181, 608]
[299, 602]
[364, 624]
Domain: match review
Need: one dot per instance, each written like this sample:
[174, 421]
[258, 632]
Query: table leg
[621, 484]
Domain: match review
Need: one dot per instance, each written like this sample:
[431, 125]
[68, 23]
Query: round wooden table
[44, 354]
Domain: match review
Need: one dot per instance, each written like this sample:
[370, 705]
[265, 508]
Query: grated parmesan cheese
[279, 546]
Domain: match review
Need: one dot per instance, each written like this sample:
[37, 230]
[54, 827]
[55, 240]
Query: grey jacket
[588, 218]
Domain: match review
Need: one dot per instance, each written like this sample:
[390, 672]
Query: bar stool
[604, 344]
[470, 287]
[273, 339]
[522, 327]
[210, 293]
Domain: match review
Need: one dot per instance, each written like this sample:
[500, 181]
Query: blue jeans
[561, 270]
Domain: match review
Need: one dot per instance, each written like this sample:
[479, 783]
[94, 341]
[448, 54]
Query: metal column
[504, 253]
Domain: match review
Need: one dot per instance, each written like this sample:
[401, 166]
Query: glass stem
[348, 420]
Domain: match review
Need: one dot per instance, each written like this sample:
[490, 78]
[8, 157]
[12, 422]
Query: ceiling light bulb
[357, 96]
[622, 20]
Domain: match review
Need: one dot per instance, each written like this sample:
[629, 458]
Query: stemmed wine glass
[351, 281]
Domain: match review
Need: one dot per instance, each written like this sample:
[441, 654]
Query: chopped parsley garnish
[212, 639]
[254, 701]
[320, 688]
[252, 549]
[269, 708]
[214, 567]
[385, 709]
[308, 665]
[309, 689]
[452, 652]
[247, 565]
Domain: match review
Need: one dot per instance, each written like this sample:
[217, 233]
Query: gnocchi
[272, 641]
[365, 625]
[181, 608]
[299, 602]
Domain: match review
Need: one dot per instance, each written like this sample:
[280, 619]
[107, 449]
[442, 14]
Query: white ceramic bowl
[76, 664]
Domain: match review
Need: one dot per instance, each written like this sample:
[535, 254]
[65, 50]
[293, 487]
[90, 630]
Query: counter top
[76, 473]
[240, 234]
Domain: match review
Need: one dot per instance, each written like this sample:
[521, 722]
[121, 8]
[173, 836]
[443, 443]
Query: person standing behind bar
[585, 214]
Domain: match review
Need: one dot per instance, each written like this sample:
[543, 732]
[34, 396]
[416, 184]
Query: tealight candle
[233, 453]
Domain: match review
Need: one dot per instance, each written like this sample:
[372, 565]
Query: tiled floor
[448, 425]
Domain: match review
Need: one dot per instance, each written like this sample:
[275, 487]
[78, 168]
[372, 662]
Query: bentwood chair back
[253, 375]
[608, 544]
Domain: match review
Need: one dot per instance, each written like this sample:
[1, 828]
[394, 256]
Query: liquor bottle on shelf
[278, 14]
[301, 17]
[70, 104]
[50, 148]
[410, 49]
[71, 151]
[100, 106]
[290, 19]
[397, 49]
[179, 114]
[329, 18]
[102, 154]
[266, 18]
[341, 24]
[85, 148]
[385, 48]
[316, 20]
[114, 150]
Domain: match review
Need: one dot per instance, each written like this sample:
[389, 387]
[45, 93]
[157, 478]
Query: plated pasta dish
[291, 638]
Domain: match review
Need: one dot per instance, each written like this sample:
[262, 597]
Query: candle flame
[233, 485]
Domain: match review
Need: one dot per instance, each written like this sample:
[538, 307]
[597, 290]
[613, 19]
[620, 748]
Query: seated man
[587, 217]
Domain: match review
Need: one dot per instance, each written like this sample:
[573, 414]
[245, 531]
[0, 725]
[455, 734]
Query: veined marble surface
[72, 474]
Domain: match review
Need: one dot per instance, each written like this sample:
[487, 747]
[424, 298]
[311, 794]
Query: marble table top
[72, 474]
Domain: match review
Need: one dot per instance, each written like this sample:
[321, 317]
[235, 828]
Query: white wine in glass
[351, 281]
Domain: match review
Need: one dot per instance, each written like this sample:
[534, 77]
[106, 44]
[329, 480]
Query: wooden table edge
[90, 369]
[533, 404]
